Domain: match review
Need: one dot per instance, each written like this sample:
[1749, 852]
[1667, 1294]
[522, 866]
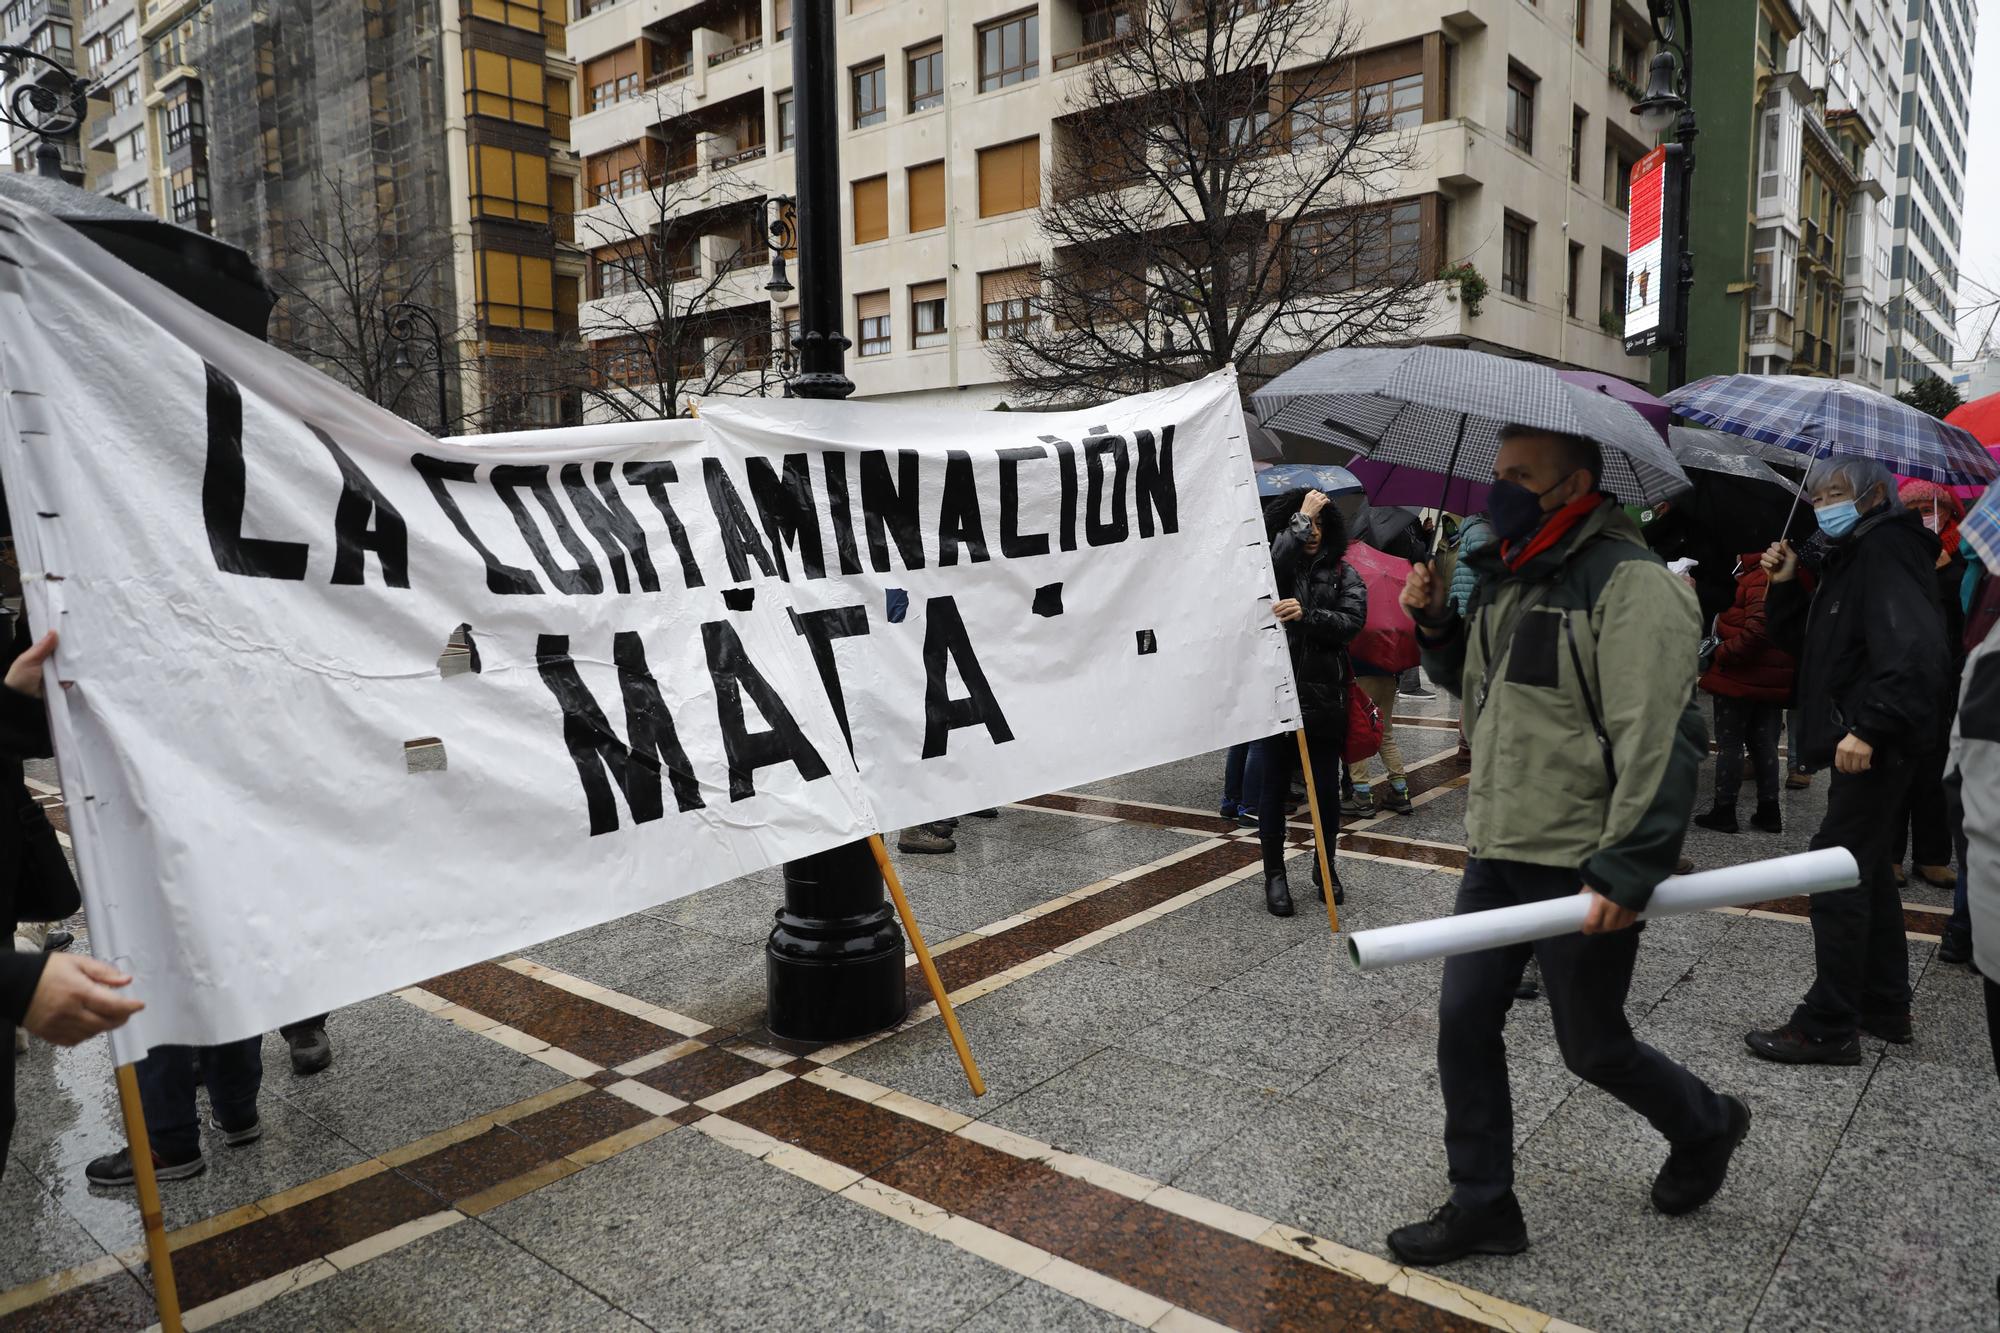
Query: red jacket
[1747, 664]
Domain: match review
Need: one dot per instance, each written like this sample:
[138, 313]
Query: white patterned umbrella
[1441, 410]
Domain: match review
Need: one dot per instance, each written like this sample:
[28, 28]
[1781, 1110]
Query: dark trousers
[1993, 1020]
[1740, 725]
[1280, 761]
[1585, 978]
[1243, 776]
[1926, 815]
[1862, 962]
[169, 1076]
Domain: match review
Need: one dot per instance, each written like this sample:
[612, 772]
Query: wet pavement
[1198, 1116]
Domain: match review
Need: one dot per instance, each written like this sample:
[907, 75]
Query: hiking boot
[920, 839]
[1768, 818]
[116, 1168]
[1798, 779]
[1938, 877]
[1720, 818]
[311, 1051]
[1789, 1046]
[1277, 895]
[1452, 1232]
[1693, 1174]
[1892, 1028]
[1399, 798]
[1360, 805]
[1955, 945]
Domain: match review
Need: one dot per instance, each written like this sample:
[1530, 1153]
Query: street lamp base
[833, 966]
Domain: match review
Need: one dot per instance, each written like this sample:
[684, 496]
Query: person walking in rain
[1576, 668]
[1870, 642]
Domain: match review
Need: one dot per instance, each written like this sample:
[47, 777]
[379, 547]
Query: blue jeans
[1243, 775]
[168, 1077]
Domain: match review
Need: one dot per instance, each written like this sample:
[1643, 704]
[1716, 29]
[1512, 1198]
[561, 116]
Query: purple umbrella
[1656, 412]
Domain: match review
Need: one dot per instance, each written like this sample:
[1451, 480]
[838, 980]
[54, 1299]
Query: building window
[788, 122]
[1007, 301]
[1582, 30]
[927, 197]
[613, 79]
[502, 86]
[1009, 51]
[1611, 285]
[619, 274]
[926, 76]
[871, 209]
[515, 291]
[1365, 247]
[871, 95]
[781, 20]
[1574, 276]
[615, 175]
[508, 184]
[1521, 108]
[188, 194]
[927, 315]
[527, 17]
[184, 118]
[1618, 164]
[559, 108]
[1385, 86]
[1577, 117]
[871, 323]
[1514, 256]
[1010, 177]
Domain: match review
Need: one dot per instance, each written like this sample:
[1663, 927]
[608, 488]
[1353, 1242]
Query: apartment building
[1930, 188]
[1797, 103]
[97, 41]
[952, 114]
[424, 146]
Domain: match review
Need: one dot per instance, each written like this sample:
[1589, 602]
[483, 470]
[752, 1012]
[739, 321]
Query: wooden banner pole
[161, 1258]
[1319, 834]
[895, 885]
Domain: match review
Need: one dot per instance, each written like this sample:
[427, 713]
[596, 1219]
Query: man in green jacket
[1575, 663]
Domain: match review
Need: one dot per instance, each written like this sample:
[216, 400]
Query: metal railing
[1083, 55]
[750, 154]
[740, 49]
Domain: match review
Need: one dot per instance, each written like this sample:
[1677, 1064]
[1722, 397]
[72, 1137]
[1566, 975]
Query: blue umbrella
[1322, 477]
[1821, 417]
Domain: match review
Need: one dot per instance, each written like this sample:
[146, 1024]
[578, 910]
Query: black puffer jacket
[1870, 640]
[1335, 602]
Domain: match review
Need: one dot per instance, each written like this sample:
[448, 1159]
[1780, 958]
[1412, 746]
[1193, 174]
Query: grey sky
[1979, 257]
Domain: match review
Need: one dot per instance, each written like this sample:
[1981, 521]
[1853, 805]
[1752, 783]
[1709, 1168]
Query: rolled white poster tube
[1731, 886]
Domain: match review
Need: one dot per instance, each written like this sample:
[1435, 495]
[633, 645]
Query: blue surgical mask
[1838, 519]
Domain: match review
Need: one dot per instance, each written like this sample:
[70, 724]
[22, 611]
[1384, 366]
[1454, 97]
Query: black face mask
[1515, 510]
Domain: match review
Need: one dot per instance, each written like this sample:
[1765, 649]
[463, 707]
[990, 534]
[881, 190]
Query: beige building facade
[1519, 114]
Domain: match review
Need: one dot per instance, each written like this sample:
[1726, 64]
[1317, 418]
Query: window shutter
[1030, 154]
[871, 305]
[926, 291]
[781, 15]
[1010, 177]
[871, 209]
[531, 179]
[927, 197]
[1010, 284]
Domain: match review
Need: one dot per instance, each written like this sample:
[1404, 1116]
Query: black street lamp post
[44, 98]
[1669, 102]
[783, 224]
[834, 962]
[407, 322]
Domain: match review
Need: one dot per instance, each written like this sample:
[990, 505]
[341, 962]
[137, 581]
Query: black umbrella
[217, 276]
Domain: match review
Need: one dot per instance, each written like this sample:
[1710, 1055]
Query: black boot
[1452, 1232]
[1694, 1173]
[1319, 885]
[1722, 819]
[311, 1051]
[1789, 1046]
[1768, 818]
[1277, 894]
[1955, 945]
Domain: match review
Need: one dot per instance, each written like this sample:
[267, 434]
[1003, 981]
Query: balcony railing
[679, 172]
[741, 155]
[659, 78]
[740, 49]
[1083, 55]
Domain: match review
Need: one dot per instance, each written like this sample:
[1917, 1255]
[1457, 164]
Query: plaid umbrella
[1980, 529]
[1821, 417]
[1714, 451]
[1441, 410]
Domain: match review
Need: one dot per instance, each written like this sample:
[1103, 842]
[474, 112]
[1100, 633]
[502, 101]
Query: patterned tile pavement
[1199, 1117]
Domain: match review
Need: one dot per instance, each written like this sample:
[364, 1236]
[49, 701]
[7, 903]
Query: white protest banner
[677, 627]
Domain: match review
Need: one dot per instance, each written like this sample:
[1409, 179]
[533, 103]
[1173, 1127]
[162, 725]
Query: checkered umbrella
[1981, 528]
[1441, 410]
[1716, 451]
[1823, 417]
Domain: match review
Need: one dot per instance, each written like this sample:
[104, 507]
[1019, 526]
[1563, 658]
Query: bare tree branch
[1220, 192]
